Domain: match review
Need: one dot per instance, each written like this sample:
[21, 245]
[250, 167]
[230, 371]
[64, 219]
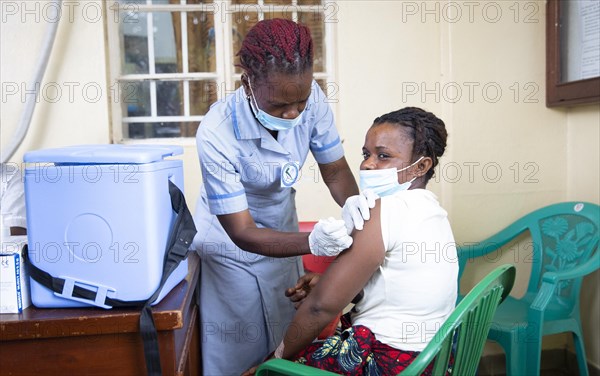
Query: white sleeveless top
[407, 300]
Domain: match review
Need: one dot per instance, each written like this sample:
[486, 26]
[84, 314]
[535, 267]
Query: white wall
[583, 179]
[390, 54]
[73, 104]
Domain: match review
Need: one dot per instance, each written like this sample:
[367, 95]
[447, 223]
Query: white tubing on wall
[30, 101]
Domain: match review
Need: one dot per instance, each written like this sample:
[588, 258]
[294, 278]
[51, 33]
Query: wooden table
[93, 341]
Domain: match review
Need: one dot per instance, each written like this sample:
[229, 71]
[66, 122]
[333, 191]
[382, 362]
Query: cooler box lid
[105, 153]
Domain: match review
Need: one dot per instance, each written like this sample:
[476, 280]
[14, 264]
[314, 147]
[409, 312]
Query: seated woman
[403, 262]
[12, 200]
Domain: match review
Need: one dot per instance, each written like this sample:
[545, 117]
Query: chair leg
[580, 351]
[515, 352]
[533, 357]
[516, 361]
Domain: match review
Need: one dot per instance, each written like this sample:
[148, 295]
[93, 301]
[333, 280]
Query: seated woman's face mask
[385, 181]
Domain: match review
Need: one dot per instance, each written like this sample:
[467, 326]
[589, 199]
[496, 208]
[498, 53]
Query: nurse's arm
[341, 282]
[243, 231]
[339, 179]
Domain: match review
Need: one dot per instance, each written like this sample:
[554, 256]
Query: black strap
[179, 241]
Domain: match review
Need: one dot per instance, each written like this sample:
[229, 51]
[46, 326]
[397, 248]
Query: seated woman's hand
[300, 291]
[250, 372]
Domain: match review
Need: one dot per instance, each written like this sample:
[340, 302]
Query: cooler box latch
[100, 291]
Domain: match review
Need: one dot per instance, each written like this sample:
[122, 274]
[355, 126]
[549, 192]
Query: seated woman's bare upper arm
[353, 268]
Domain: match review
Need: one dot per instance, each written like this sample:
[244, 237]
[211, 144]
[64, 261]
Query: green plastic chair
[467, 325]
[564, 249]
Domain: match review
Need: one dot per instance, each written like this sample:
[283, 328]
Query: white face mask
[385, 181]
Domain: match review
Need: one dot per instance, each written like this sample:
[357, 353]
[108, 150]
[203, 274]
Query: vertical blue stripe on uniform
[236, 129]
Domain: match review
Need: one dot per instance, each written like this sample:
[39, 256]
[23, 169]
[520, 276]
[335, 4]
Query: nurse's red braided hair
[276, 45]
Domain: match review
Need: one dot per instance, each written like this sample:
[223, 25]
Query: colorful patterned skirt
[355, 351]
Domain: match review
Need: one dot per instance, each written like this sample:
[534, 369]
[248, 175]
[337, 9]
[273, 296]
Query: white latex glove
[329, 238]
[356, 209]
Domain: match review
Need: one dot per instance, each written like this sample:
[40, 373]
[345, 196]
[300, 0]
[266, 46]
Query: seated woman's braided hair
[427, 131]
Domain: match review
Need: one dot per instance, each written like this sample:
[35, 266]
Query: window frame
[224, 75]
[559, 93]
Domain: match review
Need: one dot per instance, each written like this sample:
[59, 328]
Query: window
[572, 52]
[171, 59]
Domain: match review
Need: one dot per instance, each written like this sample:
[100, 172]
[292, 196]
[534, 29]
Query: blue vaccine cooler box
[99, 216]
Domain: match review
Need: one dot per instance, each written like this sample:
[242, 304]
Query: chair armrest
[551, 279]
[586, 268]
[543, 297]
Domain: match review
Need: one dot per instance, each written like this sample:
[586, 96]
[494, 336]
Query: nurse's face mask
[385, 181]
[269, 121]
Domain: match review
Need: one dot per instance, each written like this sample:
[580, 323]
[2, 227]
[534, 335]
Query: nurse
[251, 146]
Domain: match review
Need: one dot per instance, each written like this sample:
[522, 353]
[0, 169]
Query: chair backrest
[468, 325]
[563, 236]
[567, 235]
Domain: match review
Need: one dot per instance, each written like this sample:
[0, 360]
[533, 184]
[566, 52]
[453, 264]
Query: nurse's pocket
[257, 174]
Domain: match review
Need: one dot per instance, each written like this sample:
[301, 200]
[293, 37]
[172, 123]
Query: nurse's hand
[329, 238]
[356, 210]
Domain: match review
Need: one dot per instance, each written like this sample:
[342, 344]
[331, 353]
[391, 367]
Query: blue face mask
[269, 121]
[385, 181]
